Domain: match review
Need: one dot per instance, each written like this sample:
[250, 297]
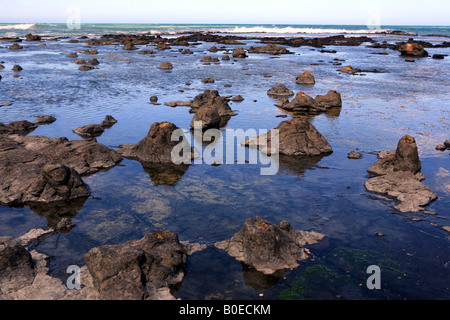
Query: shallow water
[210, 203]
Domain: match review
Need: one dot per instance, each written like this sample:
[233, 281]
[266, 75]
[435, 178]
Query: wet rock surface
[156, 147]
[270, 48]
[42, 169]
[297, 137]
[269, 248]
[138, 269]
[397, 174]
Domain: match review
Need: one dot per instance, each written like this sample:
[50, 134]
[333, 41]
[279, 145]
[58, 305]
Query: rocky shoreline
[38, 170]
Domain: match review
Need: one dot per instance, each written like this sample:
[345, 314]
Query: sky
[347, 12]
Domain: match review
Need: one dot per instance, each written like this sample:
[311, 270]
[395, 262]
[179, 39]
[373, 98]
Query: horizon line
[222, 23]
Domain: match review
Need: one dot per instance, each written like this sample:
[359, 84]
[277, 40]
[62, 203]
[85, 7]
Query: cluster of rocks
[444, 146]
[398, 174]
[303, 103]
[95, 130]
[146, 268]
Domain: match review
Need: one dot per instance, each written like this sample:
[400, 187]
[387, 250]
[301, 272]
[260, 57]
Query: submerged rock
[269, 248]
[397, 174]
[138, 269]
[297, 137]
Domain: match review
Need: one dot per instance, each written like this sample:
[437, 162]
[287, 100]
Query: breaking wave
[22, 26]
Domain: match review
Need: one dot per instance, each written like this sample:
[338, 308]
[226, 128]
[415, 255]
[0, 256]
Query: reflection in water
[54, 212]
[165, 173]
[258, 280]
[296, 166]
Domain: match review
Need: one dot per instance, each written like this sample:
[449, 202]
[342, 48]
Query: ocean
[98, 29]
[208, 203]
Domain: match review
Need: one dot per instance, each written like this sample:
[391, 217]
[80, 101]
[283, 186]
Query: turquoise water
[96, 29]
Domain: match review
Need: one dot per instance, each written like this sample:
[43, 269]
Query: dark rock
[209, 59]
[165, 66]
[211, 109]
[156, 147]
[441, 147]
[93, 62]
[438, 56]
[92, 51]
[354, 155]
[187, 51]
[90, 130]
[302, 103]
[154, 99]
[22, 127]
[405, 158]
[42, 169]
[146, 51]
[225, 57]
[412, 49]
[178, 103]
[137, 269]
[163, 46]
[208, 80]
[239, 53]
[16, 67]
[129, 46]
[80, 61]
[280, 91]
[85, 68]
[330, 100]
[213, 49]
[109, 121]
[16, 265]
[237, 98]
[30, 37]
[269, 248]
[447, 144]
[72, 55]
[15, 46]
[409, 60]
[44, 120]
[305, 78]
[397, 174]
[349, 70]
[270, 48]
[296, 137]
[65, 225]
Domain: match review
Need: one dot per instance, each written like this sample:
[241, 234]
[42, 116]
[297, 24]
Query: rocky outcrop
[270, 48]
[16, 68]
[89, 130]
[305, 78]
[280, 91]
[22, 127]
[44, 120]
[165, 66]
[269, 248]
[211, 109]
[139, 269]
[209, 59]
[331, 100]
[31, 37]
[411, 49]
[296, 137]
[397, 174]
[15, 46]
[156, 147]
[303, 103]
[42, 169]
[239, 53]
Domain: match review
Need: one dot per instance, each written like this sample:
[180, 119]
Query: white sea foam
[22, 26]
[293, 30]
